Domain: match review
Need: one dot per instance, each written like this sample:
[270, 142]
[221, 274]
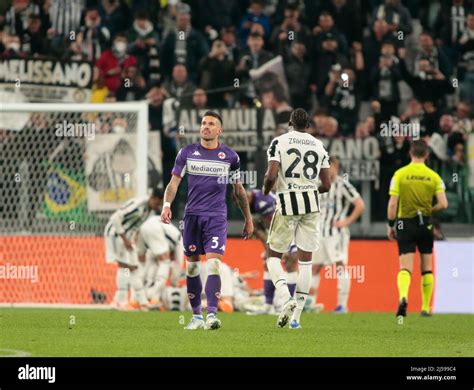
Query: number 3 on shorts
[215, 242]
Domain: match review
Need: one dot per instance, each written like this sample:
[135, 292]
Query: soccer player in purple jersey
[208, 164]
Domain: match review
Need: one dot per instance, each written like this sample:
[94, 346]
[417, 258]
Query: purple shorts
[203, 235]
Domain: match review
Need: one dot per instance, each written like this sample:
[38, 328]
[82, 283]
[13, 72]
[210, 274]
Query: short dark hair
[255, 35]
[141, 15]
[388, 42]
[34, 17]
[228, 29]
[299, 119]
[213, 114]
[419, 148]
[299, 41]
[427, 33]
[157, 193]
[326, 13]
[292, 7]
[120, 34]
[91, 9]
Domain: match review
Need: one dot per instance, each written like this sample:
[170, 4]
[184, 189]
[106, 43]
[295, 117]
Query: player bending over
[411, 191]
[335, 233]
[207, 163]
[119, 235]
[163, 241]
[295, 161]
[263, 207]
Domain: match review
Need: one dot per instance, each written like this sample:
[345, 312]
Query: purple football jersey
[209, 171]
[263, 204]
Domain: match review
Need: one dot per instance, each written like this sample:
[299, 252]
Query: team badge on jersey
[221, 155]
[192, 248]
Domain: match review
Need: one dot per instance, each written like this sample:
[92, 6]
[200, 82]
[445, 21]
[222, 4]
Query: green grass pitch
[48, 333]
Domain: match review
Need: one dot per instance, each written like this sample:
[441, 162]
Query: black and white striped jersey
[17, 22]
[335, 206]
[129, 217]
[172, 234]
[94, 41]
[301, 157]
[65, 15]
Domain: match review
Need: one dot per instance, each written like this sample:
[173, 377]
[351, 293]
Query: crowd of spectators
[353, 64]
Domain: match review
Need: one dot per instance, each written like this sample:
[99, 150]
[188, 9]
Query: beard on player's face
[209, 137]
[208, 134]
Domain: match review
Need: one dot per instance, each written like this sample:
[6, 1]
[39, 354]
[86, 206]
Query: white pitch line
[13, 353]
[55, 306]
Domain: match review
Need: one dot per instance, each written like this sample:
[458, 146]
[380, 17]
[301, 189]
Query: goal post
[64, 169]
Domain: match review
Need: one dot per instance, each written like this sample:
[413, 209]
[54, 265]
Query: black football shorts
[414, 233]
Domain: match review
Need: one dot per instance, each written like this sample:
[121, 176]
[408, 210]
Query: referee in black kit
[411, 192]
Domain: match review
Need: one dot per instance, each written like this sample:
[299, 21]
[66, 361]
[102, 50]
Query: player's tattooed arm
[172, 189]
[170, 194]
[241, 196]
[250, 197]
[270, 176]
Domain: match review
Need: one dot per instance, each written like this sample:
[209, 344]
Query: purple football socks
[213, 292]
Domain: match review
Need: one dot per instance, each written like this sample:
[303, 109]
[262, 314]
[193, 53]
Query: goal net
[64, 169]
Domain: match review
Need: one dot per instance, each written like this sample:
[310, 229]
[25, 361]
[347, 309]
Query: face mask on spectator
[118, 129]
[92, 22]
[143, 31]
[15, 46]
[120, 47]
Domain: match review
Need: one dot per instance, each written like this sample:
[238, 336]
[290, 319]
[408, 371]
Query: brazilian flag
[65, 197]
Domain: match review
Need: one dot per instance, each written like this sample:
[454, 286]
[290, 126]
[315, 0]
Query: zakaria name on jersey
[297, 184]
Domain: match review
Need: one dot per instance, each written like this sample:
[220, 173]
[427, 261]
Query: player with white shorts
[164, 243]
[335, 235]
[119, 235]
[295, 162]
[332, 249]
[263, 207]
